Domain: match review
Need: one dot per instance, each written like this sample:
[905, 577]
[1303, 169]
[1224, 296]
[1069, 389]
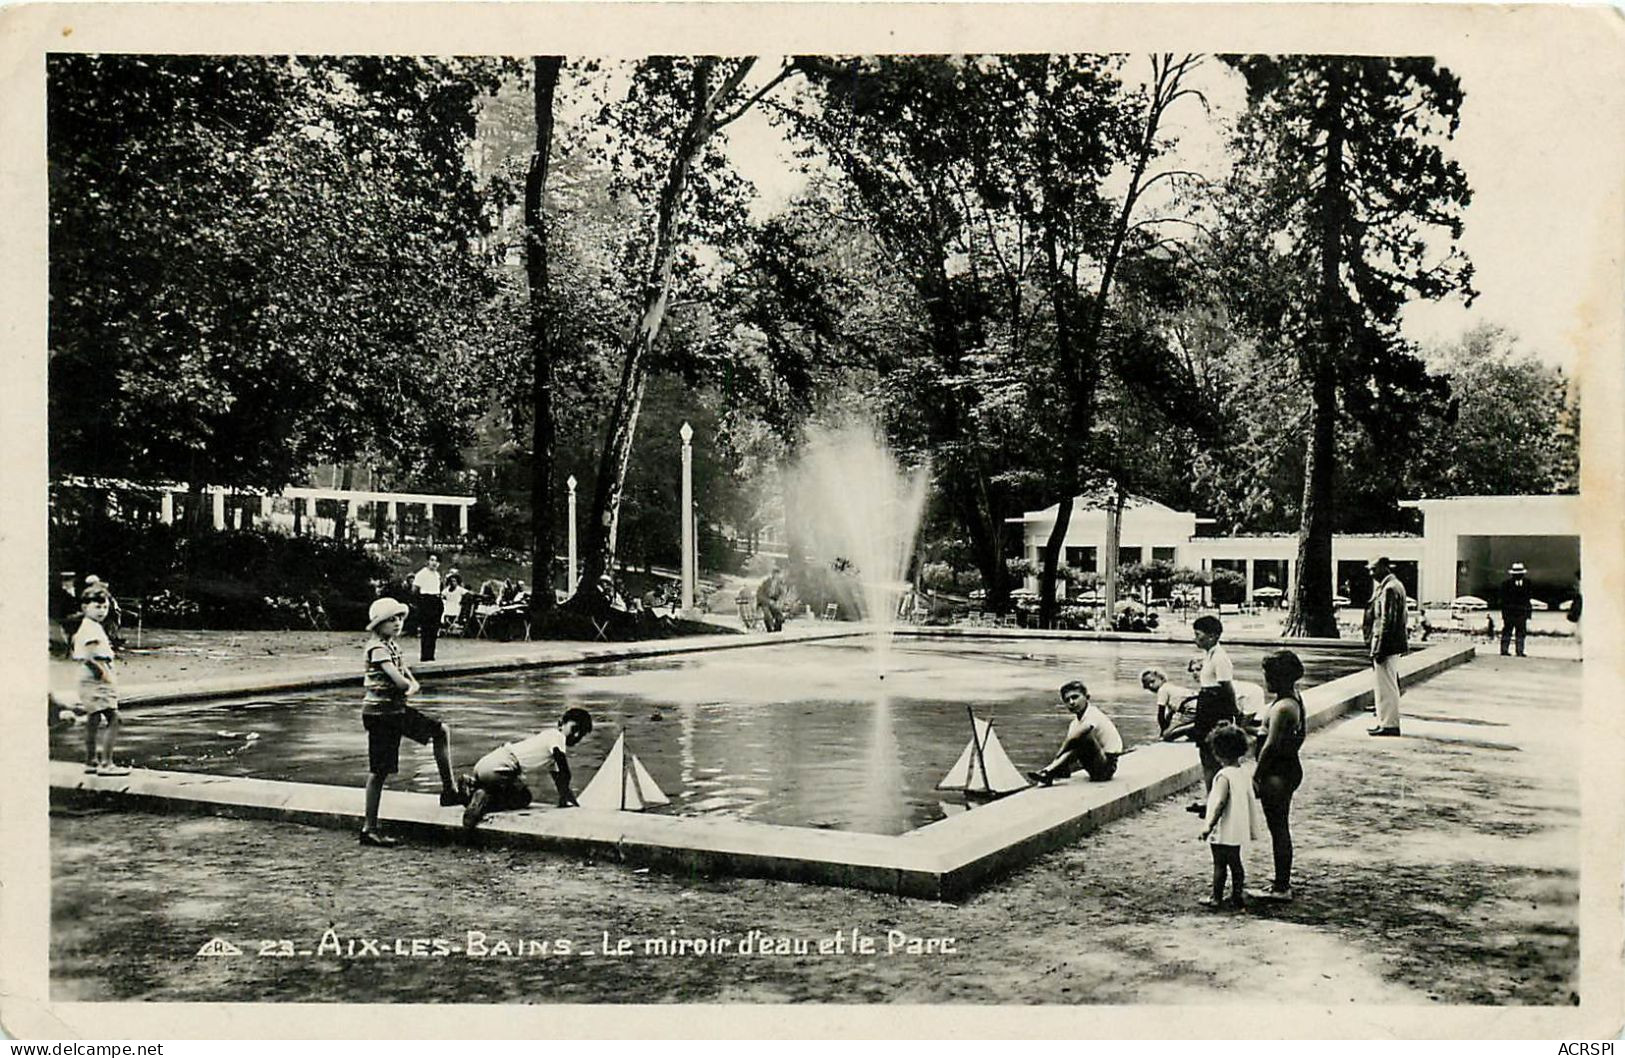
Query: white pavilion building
[1465, 547]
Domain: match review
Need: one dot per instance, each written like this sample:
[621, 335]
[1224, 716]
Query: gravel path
[1441, 867]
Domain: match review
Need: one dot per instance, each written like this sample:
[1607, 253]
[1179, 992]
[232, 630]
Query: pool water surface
[799, 734]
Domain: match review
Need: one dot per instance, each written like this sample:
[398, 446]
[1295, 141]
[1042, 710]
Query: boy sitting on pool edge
[1176, 706]
[501, 778]
[1092, 743]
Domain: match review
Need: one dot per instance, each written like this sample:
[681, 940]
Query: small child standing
[98, 690]
[387, 718]
[1234, 816]
[502, 778]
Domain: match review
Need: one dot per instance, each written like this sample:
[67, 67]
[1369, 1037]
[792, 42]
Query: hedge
[238, 578]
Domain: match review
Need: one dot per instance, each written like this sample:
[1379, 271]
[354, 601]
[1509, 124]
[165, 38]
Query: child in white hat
[387, 718]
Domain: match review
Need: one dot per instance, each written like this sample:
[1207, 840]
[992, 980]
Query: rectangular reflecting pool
[799, 734]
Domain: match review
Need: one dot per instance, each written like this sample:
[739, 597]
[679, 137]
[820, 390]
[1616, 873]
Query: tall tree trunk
[1312, 613]
[964, 478]
[623, 420]
[1079, 372]
[968, 499]
[795, 536]
[1079, 353]
[1050, 559]
[542, 529]
[199, 512]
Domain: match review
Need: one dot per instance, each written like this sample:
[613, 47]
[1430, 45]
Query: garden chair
[489, 616]
[483, 612]
[831, 611]
[749, 615]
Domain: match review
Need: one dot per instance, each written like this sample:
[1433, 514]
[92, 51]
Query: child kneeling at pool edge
[501, 778]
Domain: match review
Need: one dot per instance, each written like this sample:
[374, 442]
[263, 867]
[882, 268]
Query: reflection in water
[794, 734]
[880, 805]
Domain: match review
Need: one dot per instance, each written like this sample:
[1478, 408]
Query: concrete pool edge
[978, 846]
[1181, 637]
[943, 860]
[549, 656]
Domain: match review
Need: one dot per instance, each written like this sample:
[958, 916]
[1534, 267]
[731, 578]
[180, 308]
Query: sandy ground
[1441, 867]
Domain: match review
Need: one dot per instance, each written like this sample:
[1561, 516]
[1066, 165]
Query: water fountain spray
[865, 509]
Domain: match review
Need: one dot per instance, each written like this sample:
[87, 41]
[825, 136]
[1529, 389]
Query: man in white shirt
[1215, 697]
[1092, 743]
[426, 586]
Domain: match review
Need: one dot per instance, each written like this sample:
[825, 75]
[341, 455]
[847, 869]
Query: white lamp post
[687, 434]
[570, 573]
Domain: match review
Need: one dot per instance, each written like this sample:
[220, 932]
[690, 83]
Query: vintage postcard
[1004, 520]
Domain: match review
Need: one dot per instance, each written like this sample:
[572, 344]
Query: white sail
[649, 792]
[622, 783]
[1002, 774]
[983, 767]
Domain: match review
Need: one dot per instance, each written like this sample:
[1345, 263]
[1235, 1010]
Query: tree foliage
[262, 263]
[980, 179]
[1512, 424]
[1343, 195]
[259, 264]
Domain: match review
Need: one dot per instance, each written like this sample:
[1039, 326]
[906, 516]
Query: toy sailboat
[984, 769]
[622, 783]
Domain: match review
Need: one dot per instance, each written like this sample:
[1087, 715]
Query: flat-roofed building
[1466, 545]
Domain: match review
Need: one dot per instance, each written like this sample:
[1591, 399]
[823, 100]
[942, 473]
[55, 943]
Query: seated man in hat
[452, 598]
[1516, 607]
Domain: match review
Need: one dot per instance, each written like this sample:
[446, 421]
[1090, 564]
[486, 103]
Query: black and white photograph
[783, 507]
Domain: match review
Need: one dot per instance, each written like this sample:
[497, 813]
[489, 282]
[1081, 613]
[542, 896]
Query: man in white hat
[1385, 636]
[1515, 607]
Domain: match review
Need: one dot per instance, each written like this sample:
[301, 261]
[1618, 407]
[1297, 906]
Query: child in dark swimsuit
[1279, 770]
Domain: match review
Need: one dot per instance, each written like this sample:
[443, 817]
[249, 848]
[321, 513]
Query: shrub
[1228, 586]
[229, 579]
[1082, 579]
[940, 576]
[819, 585]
